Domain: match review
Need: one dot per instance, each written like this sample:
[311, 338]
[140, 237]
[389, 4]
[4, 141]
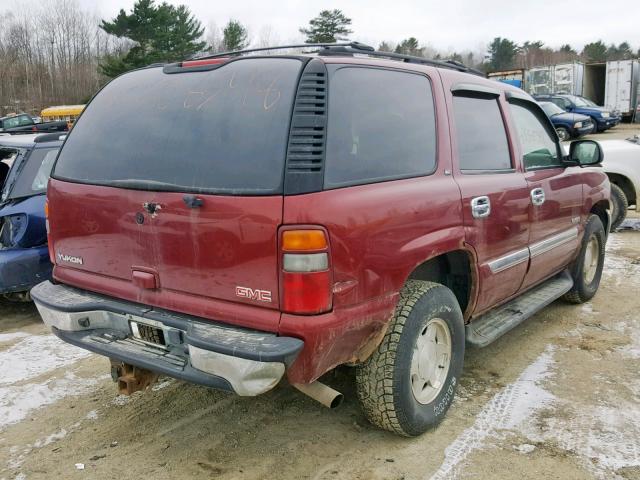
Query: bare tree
[53, 47]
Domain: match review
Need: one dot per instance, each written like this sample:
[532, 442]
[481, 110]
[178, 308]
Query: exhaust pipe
[320, 392]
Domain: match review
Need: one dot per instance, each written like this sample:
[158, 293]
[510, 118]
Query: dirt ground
[621, 131]
[558, 397]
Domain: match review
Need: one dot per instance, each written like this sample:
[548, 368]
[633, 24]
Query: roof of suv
[357, 53]
[341, 49]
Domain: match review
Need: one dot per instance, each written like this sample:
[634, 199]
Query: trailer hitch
[131, 379]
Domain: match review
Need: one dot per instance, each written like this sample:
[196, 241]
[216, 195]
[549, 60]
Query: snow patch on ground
[587, 308]
[17, 401]
[18, 455]
[92, 415]
[604, 438]
[10, 337]
[35, 355]
[508, 409]
[121, 400]
[163, 384]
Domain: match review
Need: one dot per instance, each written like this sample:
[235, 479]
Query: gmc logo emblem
[251, 294]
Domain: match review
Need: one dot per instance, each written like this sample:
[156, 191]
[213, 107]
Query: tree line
[54, 52]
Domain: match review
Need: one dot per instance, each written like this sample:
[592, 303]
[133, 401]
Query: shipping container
[512, 77]
[621, 89]
[539, 80]
[567, 78]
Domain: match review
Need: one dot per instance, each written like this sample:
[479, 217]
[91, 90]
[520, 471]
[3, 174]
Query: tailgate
[222, 250]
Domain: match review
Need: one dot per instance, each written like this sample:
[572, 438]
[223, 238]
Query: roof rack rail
[353, 48]
[355, 45]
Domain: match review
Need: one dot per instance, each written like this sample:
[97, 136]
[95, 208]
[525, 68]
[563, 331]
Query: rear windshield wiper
[146, 185]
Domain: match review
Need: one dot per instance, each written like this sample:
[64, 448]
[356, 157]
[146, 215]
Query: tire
[563, 134]
[596, 128]
[386, 381]
[619, 206]
[587, 268]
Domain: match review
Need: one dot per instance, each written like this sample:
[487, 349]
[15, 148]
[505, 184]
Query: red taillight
[306, 273]
[201, 63]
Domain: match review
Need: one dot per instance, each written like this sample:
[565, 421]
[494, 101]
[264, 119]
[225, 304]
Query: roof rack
[351, 48]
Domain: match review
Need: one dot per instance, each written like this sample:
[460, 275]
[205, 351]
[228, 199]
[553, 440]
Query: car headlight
[605, 114]
[577, 125]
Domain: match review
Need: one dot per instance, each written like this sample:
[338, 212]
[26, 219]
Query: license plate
[148, 333]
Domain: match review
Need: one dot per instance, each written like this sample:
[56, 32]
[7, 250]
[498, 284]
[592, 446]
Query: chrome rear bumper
[243, 361]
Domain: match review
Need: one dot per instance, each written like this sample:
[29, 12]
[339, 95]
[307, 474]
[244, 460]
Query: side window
[480, 134]
[25, 120]
[539, 148]
[381, 126]
[11, 122]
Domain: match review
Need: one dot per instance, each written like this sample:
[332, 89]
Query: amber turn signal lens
[297, 240]
[46, 209]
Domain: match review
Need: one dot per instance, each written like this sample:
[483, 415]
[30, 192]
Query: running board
[495, 323]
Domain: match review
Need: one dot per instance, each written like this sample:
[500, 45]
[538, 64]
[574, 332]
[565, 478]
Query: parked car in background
[23, 123]
[602, 117]
[24, 256]
[567, 125]
[622, 166]
[392, 209]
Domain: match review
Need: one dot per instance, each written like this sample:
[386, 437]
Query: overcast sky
[444, 24]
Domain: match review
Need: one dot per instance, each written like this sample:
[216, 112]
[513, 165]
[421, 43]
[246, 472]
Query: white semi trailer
[621, 90]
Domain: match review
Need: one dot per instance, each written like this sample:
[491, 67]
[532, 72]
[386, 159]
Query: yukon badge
[70, 259]
[251, 294]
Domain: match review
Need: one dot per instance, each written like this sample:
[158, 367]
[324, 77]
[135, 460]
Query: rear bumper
[22, 268]
[243, 361]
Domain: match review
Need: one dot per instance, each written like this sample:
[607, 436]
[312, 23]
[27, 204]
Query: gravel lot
[558, 397]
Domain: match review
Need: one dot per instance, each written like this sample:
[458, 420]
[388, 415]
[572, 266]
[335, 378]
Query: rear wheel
[409, 382]
[619, 205]
[563, 134]
[587, 269]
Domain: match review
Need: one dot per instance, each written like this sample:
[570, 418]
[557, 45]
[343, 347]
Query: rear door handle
[537, 196]
[480, 207]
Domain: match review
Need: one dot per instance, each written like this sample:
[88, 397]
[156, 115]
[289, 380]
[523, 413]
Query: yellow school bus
[68, 113]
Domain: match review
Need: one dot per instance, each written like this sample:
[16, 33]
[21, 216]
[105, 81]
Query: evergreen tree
[566, 48]
[410, 46]
[328, 27]
[595, 52]
[502, 53]
[235, 36]
[162, 33]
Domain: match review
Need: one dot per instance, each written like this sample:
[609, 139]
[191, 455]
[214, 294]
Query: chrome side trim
[508, 261]
[550, 243]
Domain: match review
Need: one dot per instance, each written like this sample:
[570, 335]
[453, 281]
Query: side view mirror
[585, 153]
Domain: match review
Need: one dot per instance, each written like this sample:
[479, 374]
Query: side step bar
[495, 323]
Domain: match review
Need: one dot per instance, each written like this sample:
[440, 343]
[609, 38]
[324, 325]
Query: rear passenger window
[539, 149]
[480, 134]
[381, 127]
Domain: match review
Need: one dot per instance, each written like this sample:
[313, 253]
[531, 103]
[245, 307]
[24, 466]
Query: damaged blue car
[25, 166]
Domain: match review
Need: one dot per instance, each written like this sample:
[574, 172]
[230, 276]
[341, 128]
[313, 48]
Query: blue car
[568, 125]
[602, 117]
[25, 165]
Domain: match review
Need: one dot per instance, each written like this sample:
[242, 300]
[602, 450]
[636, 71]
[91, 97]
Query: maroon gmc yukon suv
[238, 219]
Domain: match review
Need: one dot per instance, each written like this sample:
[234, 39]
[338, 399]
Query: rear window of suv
[219, 131]
[381, 126]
